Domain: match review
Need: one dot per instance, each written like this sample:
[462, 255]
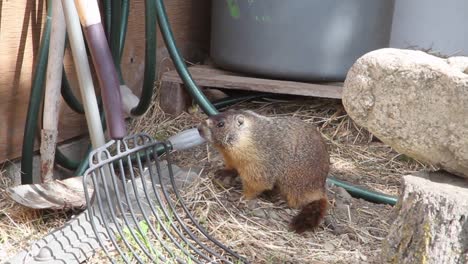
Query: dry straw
[353, 230]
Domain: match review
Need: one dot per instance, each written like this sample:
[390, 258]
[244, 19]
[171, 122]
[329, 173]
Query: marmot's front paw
[250, 193]
[226, 173]
[227, 177]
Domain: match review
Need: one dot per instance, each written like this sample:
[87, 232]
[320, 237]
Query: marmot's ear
[240, 120]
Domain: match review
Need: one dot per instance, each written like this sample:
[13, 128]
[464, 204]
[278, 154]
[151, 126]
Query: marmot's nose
[201, 129]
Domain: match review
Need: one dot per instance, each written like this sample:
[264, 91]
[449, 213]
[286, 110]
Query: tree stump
[431, 225]
[173, 98]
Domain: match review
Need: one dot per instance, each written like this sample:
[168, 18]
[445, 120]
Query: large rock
[431, 226]
[415, 102]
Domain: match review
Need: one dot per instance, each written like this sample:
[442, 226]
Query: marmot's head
[225, 130]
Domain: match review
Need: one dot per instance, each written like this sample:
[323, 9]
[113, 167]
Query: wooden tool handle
[52, 100]
[88, 11]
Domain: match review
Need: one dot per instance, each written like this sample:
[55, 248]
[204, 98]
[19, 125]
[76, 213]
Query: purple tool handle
[108, 80]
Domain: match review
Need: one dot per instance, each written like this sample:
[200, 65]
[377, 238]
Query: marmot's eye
[220, 124]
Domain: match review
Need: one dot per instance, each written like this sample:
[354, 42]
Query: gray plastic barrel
[434, 25]
[306, 40]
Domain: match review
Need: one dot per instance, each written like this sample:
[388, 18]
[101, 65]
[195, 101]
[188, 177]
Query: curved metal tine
[114, 219]
[172, 208]
[149, 199]
[166, 195]
[132, 211]
[171, 237]
[122, 210]
[129, 226]
[195, 222]
[160, 240]
[91, 215]
[103, 213]
[167, 215]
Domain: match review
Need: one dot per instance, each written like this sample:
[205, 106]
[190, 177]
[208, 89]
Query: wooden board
[21, 23]
[212, 77]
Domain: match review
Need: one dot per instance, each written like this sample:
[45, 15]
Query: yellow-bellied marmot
[268, 152]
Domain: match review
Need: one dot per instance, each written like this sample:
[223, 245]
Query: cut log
[174, 99]
[431, 225]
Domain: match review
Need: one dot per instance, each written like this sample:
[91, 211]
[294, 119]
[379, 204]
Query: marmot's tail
[310, 216]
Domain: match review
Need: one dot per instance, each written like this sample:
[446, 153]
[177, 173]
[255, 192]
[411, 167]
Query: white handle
[186, 139]
[85, 81]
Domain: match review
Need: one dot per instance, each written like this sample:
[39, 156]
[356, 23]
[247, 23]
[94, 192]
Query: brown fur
[310, 216]
[267, 152]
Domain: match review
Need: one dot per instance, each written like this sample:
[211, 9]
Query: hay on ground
[258, 229]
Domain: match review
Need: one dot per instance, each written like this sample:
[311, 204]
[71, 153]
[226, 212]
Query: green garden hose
[69, 97]
[150, 64]
[35, 99]
[84, 163]
[73, 102]
[152, 7]
[116, 31]
[107, 6]
[65, 162]
[123, 26]
[237, 99]
[209, 109]
[114, 41]
[179, 63]
[368, 195]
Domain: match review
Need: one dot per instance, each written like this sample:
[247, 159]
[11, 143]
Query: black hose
[35, 100]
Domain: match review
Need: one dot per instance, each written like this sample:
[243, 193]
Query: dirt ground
[352, 232]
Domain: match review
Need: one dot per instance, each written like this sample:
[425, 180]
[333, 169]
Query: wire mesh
[145, 220]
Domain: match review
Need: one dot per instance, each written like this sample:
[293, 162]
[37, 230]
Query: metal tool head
[136, 210]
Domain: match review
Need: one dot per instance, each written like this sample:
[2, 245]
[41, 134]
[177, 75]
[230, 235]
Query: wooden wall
[21, 23]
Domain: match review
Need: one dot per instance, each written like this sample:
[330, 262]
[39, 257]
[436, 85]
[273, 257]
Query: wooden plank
[211, 77]
[21, 23]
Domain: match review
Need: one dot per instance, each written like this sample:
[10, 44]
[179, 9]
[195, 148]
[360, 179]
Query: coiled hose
[152, 7]
[35, 99]
[209, 109]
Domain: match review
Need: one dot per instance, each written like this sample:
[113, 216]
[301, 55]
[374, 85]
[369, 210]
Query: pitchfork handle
[90, 18]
